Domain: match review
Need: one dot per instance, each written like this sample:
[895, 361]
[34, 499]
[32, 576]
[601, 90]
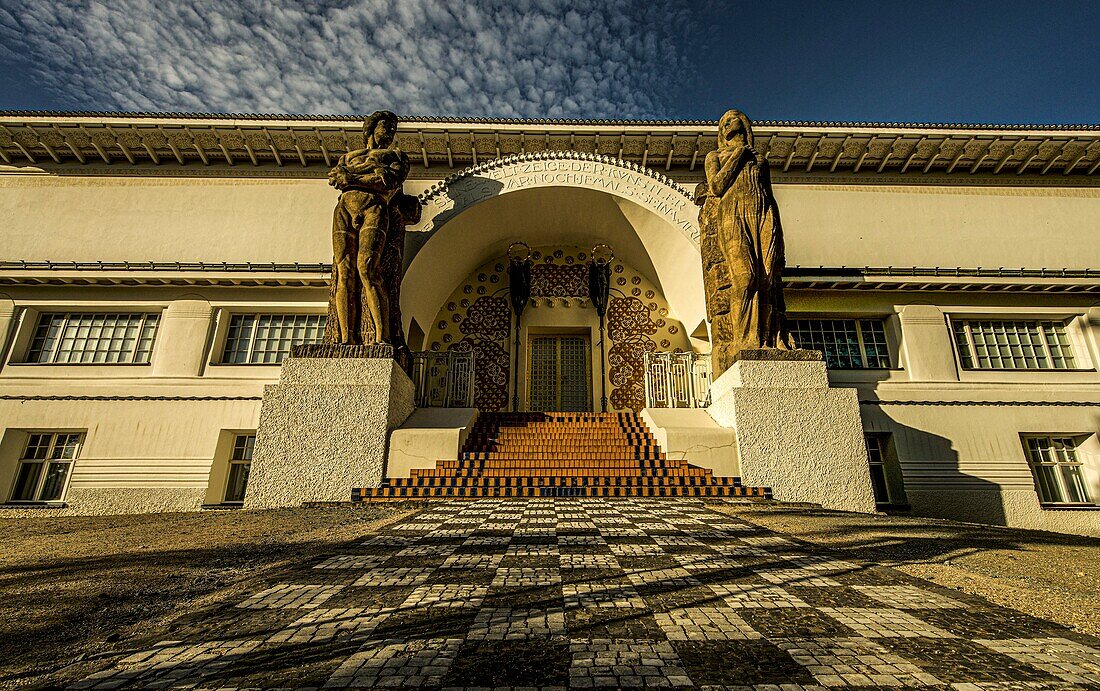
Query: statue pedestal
[324, 429]
[795, 434]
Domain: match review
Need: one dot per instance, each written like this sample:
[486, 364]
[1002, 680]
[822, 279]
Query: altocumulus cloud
[549, 58]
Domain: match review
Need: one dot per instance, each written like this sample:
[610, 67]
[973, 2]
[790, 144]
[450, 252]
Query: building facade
[156, 269]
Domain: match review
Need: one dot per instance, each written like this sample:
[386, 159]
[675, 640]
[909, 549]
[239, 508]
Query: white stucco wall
[149, 454]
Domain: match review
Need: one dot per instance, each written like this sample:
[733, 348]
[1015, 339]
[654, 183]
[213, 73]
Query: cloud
[522, 58]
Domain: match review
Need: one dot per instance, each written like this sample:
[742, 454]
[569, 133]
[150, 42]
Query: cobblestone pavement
[606, 594]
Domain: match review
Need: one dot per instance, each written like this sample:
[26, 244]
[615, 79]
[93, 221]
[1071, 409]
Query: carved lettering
[647, 191]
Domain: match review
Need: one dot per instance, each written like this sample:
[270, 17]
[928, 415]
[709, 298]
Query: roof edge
[455, 119]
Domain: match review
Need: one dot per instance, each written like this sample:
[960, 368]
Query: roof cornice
[919, 279]
[138, 142]
[601, 122]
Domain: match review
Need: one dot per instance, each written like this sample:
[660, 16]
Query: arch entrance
[559, 203]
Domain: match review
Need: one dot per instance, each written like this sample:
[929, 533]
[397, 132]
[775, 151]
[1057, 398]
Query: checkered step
[556, 455]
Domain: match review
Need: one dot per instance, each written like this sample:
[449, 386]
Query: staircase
[560, 455]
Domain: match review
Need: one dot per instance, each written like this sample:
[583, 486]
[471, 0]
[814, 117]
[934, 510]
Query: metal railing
[677, 380]
[444, 380]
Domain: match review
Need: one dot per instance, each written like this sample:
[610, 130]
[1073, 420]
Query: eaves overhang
[297, 275]
[312, 144]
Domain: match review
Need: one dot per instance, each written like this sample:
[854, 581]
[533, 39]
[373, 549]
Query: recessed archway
[555, 198]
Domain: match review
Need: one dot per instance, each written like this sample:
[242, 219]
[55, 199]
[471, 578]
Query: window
[265, 339]
[44, 466]
[1057, 470]
[846, 343]
[876, 456]
[94, 338]
[1013, 344]
[239, 464]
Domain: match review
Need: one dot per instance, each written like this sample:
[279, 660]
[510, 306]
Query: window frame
[858, 324]
[1080, 361]
[39, 315]
[223, 339]
[1076, 442]
[45, 462]
[879, 441]
[248, 449]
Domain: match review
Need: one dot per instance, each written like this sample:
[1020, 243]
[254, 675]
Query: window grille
[1013, 344]
[1057, 470]
[846, 343]
[266, 339]
[240, 462]
[44, 466]
[105, 338]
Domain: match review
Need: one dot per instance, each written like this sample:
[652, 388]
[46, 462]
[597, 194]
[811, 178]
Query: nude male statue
[369, 179]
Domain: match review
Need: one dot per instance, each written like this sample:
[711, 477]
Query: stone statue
[368, 230]
[405, 210]
[741, 245]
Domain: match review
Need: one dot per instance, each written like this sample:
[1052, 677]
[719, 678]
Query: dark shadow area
[598, 589]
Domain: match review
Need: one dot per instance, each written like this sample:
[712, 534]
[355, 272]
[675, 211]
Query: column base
[795, 433]
[324, 429]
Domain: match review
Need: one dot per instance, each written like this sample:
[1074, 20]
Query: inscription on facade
[654, 194]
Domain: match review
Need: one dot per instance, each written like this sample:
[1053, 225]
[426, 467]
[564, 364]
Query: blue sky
[930, 61]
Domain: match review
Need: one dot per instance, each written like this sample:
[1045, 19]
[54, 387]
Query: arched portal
[560, 202]
[477, 317]
[555, 198]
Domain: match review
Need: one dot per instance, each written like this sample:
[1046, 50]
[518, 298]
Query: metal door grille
[559, 374]
[574, 357]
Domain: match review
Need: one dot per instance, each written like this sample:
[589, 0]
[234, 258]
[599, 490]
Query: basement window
[45, 466]
[240, 462]
[1057, 469]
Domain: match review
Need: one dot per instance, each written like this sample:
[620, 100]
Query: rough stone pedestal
[324, 429]
[795, 434]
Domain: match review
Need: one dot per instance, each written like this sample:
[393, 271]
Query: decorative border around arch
[644, 186]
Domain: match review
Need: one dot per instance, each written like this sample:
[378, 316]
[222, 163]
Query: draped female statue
[367, 226]
[741, 246]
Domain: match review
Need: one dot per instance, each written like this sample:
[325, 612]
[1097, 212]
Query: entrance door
[558, 374]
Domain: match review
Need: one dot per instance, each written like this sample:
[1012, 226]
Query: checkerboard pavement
[604, 593]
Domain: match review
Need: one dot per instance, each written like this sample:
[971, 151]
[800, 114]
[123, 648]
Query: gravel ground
[1046, 575]
[79, 589]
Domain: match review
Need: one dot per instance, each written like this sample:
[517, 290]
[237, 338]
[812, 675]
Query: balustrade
[443, 380]
[677, 380]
